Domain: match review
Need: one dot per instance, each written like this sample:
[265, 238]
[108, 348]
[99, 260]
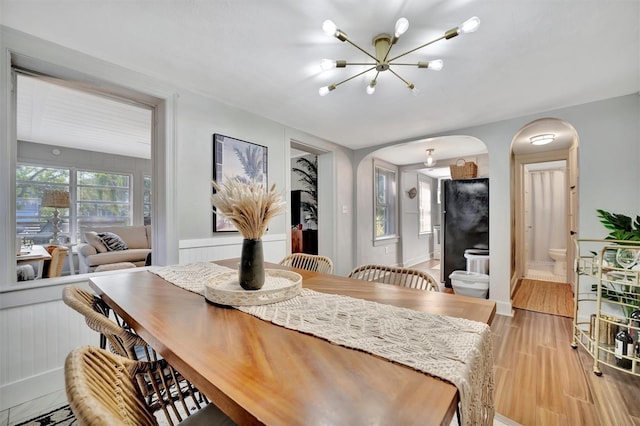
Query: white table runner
[454, 349]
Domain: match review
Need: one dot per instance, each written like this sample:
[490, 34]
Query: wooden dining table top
[261, 373]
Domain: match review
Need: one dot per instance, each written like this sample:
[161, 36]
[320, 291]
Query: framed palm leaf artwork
[239, 160]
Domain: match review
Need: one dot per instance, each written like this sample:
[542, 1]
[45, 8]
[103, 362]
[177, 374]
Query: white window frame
[392, 202]
[425, 198]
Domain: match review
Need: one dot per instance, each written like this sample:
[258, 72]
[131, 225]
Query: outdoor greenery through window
[385, 200]
[97, 198]
[103, 198]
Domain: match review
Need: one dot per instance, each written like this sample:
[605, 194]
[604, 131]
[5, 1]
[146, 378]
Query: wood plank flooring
[544, 296]
[541, 380]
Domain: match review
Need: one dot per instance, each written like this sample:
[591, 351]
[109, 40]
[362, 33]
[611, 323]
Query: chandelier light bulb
[469, 26]
[436, 65]
[371, 87]
[327, 64]
[326, 89]
[402, 25]
[329, 27]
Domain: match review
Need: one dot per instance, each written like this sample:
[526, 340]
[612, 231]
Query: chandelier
[382, 60]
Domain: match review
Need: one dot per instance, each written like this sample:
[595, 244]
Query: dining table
[258, 372]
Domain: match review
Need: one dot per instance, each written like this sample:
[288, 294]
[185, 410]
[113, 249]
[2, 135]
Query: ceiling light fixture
[383, 44]
[542, 139]
[430, 161]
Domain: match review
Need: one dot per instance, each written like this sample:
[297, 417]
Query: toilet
[559, 257]
[468, 283]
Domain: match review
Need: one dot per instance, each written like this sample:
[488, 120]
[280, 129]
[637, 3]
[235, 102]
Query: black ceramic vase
[251, 273]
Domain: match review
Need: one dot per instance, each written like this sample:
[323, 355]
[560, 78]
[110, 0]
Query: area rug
[545, 297]
[62, 416]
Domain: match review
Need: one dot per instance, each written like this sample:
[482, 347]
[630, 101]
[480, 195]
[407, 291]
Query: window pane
[385, 196]
[147, 200]
[103, 179]
[103, 194]
[34, 222]
[425, 206]
[103, 199]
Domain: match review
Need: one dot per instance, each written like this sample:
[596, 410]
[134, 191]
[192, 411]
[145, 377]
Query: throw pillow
[112, 241]
[93, 239]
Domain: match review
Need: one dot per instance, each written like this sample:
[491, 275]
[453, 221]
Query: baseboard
[416, 260]
[16, 393]
[504, 308]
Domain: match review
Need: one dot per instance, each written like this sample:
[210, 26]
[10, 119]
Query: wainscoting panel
[37, 330]
[225, 247]
[35, 342]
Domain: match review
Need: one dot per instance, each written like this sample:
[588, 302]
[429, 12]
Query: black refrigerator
[465, 222]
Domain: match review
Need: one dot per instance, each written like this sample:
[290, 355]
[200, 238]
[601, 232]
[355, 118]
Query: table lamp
[57, 200]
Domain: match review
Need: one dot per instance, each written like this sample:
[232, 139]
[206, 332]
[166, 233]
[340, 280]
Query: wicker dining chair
[309, 262]
[58, 254]
[404, 277]
[102, 390]
[169, 392]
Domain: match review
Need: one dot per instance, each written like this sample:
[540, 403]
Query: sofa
[105, 245]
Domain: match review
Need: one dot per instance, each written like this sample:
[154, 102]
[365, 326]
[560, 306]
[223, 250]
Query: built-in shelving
[606, 294]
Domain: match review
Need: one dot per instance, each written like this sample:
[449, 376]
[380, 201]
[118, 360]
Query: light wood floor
[541, 380]
[544, 296]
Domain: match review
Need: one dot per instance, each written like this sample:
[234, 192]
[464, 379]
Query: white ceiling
[54, 114]
[528, 56]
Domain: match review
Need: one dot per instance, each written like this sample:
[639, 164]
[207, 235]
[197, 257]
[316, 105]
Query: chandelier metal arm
[417, 48]
[354, 76]
[360, 48]
[361, 63]
[415, 64]
[409, 85]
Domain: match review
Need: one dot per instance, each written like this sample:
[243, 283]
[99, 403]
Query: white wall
[609, 133]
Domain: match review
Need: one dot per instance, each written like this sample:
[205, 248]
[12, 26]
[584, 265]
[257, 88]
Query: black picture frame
[236, 159]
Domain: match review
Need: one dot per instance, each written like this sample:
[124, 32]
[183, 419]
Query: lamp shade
[55, 198]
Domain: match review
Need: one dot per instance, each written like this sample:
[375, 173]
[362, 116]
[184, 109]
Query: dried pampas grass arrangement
[249, 206]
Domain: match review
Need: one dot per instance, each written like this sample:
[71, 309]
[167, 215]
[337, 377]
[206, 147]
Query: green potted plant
[621, 228]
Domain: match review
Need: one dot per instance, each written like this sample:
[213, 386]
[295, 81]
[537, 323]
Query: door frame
[520, 161]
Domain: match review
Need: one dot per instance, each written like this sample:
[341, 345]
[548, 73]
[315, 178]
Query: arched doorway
[544, 201]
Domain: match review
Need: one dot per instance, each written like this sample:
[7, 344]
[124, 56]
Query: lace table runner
[454, 349]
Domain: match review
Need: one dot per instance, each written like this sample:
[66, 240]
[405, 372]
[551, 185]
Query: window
[146, 200]
[385, 202]
[33, 221]
[424, 205]
[96, 198]
[103, 198]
